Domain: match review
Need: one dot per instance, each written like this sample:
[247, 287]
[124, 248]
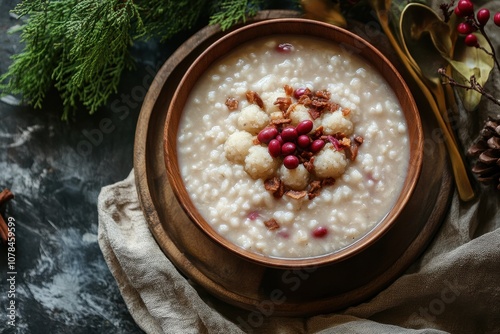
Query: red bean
[299, 92]
[288, 148]
[274, 148]
[320, 232]
[253, 215]
[266, 134]
[289, 134]
[284, 48]
[304, 127]
[291, 162]
[303, 141]
[316, 146]
[284, 234]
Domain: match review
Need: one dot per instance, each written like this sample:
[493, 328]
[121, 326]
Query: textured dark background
[56, 170]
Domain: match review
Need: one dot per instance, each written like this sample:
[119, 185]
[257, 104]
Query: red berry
[304, 127]
[464, 28]
[274, 148]
[291, 162]
[496, 19]
[289, 134]
[483, 15]
[320, 232]
[471, 40]
[465, 7]
[284, 48]
[266, 134]
[288, 148]
[457, 12]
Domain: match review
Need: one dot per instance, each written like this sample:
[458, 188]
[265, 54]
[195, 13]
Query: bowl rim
[282, 26]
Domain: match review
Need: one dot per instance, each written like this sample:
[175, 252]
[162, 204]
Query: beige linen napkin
[453, 288]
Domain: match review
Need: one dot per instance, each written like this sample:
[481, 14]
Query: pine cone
[487, 152]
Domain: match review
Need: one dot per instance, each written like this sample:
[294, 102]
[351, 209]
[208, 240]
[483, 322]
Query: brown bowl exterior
[297, 27]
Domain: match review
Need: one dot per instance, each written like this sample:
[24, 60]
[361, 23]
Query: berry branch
[473, 23]
[473, 84]
[486, 150]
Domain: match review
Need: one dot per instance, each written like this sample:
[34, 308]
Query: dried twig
[5, 196]
[473, 84]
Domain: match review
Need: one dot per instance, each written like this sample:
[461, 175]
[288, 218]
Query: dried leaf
[467, 62]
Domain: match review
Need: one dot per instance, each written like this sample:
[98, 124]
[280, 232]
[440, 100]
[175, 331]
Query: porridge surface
[234, 200]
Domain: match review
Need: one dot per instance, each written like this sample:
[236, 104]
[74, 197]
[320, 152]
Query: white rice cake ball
[296, 179]
[276, 115]
[330, 162]
[336, 122]
[299, 113]
[259, 164]
[269, 98]
[252, 119]
[237, 145]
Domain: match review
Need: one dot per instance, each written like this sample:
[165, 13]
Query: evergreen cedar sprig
[230, 12]
[81, 47]
[472, 22]
[165, 18]
[66, 48]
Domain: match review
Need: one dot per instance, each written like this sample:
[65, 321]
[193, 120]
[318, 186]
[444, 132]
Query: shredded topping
[232, 104]
[272, 224]
[253, 97]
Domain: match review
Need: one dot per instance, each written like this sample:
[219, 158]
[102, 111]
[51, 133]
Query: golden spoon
[462, 181]
[424, 52]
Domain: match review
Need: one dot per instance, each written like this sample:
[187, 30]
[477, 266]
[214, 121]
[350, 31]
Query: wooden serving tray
[246, 284]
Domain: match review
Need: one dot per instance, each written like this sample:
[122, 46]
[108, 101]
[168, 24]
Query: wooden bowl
[305, 27]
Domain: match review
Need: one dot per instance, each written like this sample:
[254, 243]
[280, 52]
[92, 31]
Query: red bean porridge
[292, 147]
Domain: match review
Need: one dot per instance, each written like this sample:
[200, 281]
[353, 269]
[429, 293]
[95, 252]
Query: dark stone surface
[56, 170]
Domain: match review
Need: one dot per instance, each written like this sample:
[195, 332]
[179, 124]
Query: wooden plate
[248, 285]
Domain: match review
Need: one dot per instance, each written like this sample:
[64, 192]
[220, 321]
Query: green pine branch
[31, 70]
[164, 19]
[230, 12]
[82, 47]
[97, 52]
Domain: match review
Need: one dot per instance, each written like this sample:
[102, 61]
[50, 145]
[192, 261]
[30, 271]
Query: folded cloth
[452, 288]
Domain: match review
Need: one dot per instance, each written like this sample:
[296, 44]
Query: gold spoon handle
[462, 181]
